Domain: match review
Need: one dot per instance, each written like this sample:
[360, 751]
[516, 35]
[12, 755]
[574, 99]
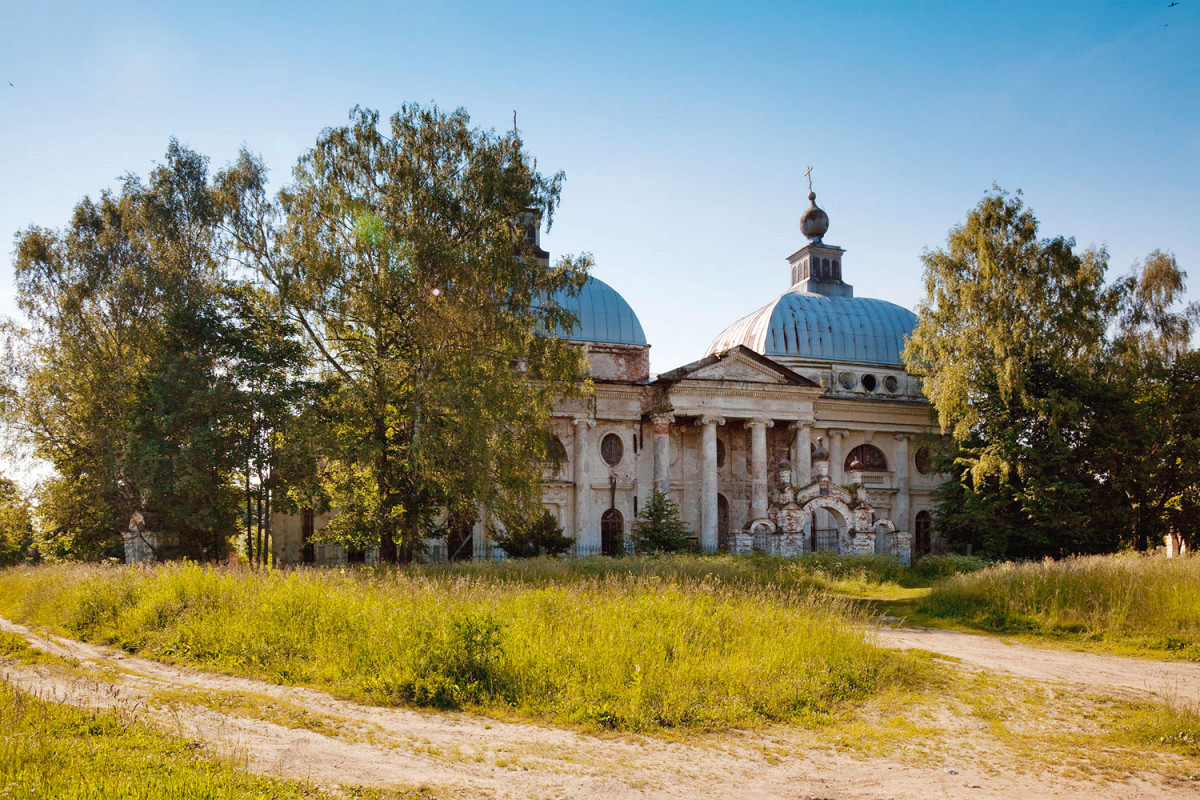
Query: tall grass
[1144, 602]
[630, 651]
[53, 751]
[817, 571]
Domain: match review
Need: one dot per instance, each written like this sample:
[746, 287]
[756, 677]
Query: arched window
[870, 456]
[612, 532]
[720, 453]
[923, 540]
[556, 454]
[612, 449]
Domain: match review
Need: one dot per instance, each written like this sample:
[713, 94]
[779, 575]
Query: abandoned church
[797, 431]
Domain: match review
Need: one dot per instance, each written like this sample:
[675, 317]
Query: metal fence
[825, 540]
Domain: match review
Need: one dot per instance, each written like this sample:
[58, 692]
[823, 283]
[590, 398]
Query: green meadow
[635, 644]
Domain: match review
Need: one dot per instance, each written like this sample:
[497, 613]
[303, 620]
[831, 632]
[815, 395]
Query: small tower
[817, 267]
[820, 460]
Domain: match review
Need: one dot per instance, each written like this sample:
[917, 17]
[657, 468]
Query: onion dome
[814, 222]
[820, 454]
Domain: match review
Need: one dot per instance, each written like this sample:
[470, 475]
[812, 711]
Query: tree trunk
[387, 541]
[249, 517]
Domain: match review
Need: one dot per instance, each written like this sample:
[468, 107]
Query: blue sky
[683, 128]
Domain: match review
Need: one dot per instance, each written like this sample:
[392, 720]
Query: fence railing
[825, 540]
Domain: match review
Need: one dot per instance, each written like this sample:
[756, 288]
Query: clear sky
[683, 128]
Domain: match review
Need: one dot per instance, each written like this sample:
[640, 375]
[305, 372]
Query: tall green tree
[1006, 341]
[401, 248]
[1060, 393]
[134, 373]
[1145, 443]
[16, 525]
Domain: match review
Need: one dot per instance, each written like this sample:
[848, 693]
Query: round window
[612, 449]
[891, 384]
[847, 381]
[869, 382]
[924, 461]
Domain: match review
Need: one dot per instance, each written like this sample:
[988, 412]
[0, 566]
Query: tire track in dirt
[460, 755]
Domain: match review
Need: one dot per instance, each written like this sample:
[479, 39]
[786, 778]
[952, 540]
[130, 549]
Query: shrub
[538, 537]
[658, 528]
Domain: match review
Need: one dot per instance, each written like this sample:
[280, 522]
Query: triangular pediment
[740, 364]
[737, 369]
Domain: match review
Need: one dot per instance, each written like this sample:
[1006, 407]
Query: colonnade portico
[802, 452]
[708, 482]
[758, 466]
[580, 478]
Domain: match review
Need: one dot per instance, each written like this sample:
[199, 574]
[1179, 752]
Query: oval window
[924, 461]
[891, 384]
[612, 449]
[847, 381]
[869, 382]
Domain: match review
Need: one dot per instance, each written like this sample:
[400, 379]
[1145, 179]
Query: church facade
[798, 430]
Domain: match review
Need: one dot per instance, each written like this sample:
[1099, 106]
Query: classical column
[900, 511]
[579, 475]
[662, 451]
[708, 482]
[836, 464]
[758, 466]
[802, 452]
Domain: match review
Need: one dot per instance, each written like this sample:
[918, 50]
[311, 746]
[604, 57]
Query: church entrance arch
[837, 520]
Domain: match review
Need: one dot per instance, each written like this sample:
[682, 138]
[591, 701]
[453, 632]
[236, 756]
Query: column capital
[755, 422]
[662, 418]
[904, 437]
[591, 423]
[797, 424]
[838, 433]
[710, 420]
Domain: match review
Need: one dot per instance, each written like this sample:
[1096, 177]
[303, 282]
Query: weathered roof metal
[602, 315]
[817, 326]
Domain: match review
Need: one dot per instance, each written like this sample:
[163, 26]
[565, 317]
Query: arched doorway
[460, 539]
[830, 519]
[307, 529]
[923, 534]
[612, 533]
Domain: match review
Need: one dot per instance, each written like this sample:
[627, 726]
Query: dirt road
[1177, 681]
[458, 755]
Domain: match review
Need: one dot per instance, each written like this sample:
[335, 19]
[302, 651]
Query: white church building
[798, 430]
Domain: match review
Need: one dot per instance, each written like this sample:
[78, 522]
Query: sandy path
[458, 755]
[1177, 681]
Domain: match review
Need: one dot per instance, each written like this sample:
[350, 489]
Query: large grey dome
[809, 325]
[602, 315]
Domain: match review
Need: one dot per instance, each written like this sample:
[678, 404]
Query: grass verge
[50, 750]
[1126, 603]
